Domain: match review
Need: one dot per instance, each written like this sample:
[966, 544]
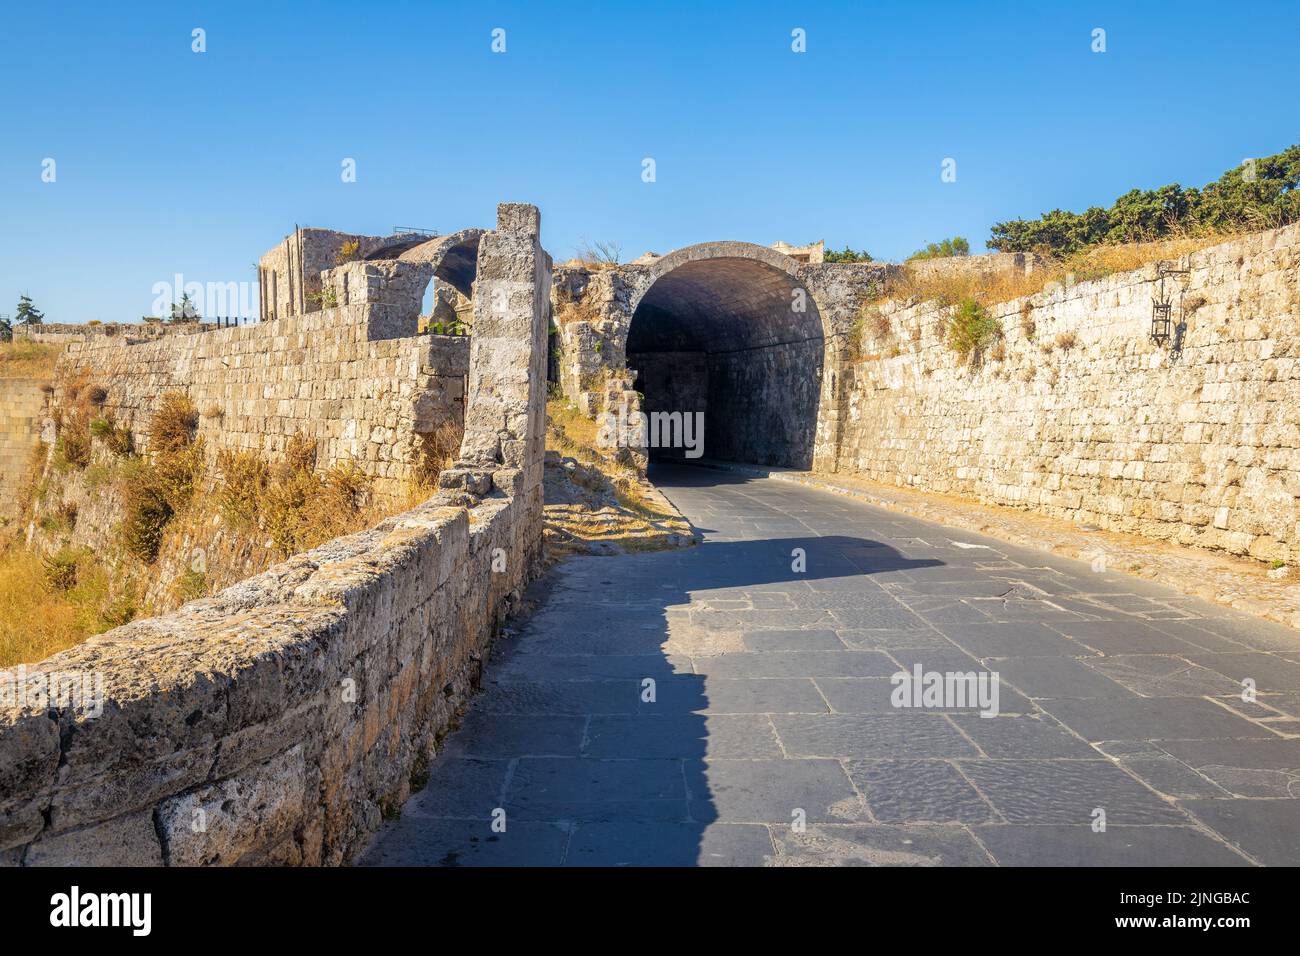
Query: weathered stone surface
[355, 378]
[222, 822]
[122, 841]
[1079, 414]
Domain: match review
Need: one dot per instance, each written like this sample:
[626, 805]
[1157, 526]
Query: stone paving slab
[672, 844]
[919, 791]
[715, 706]
[880, 845]
[1117, 846]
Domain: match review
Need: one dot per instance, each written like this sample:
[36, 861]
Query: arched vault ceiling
[720, 305]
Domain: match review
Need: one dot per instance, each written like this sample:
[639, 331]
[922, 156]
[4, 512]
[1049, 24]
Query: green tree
[6, 330]
[847, 255]
[945, 249]
[185, 310]
[1258, 194]
[28, 314]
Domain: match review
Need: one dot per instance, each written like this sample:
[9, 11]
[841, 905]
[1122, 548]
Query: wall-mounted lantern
[1162, 303]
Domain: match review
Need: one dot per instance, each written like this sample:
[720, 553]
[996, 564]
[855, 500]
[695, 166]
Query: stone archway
[448, 297]
[730, 330]
[454, 258]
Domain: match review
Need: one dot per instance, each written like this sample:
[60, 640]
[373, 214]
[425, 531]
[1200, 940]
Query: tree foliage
[1259, 194]
[185, 310]
[944, 249]
[28, 314]
[847, 255]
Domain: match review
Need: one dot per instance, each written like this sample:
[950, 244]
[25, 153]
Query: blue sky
[170, 161]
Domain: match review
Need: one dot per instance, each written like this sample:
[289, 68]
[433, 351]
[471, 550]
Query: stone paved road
[772, 705]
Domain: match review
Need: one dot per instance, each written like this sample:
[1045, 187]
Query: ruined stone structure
[738, 331]
[292, 275]
[289, 273]
[289, 712]
[355, 377]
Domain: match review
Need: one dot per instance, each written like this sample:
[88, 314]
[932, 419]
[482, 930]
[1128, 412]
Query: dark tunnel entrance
[740, 341]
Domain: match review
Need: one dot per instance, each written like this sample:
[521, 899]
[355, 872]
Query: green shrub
[72, 447]
[145, 512]
[971, 329]
[454, 327]
[117, 439]
[61, 570]
[244, 479]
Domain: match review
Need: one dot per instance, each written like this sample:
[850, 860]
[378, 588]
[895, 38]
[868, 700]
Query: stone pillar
[505, 410]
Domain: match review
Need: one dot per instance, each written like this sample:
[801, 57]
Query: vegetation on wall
[288, 501]
[1259, 194]
[456, 326]
[991, 286]
[604, 254]
[326, 298]
[348, 252]
[155, 489]
[159, 528]
[971, 329]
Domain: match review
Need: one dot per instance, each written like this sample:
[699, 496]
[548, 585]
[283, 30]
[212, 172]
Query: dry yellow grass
[992, 288]
[37, 620]
[571, 432]
[603, 503]
[28, 359]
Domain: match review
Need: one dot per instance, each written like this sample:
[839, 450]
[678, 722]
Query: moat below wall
[1078, 413]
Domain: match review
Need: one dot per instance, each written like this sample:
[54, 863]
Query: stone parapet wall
[989, 265]
[274, 722]
[1079, 414]
[61, 333]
